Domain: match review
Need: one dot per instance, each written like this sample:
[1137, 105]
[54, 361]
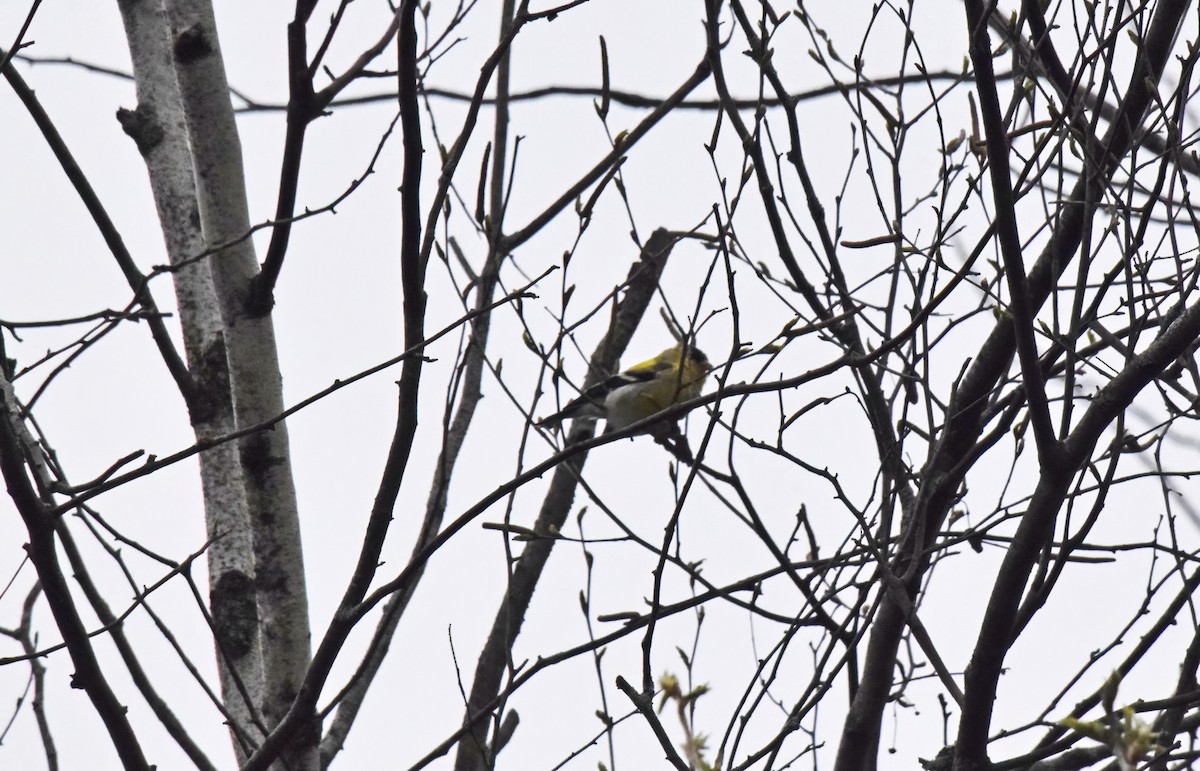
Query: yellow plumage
[673, 376]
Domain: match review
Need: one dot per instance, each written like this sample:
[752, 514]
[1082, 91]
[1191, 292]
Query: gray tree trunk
[185, 128]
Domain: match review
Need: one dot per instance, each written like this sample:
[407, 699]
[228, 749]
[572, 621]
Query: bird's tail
[583, 407]
[556, 420]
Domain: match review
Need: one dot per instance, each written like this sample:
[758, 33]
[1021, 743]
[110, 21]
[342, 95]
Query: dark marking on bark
[211, 374]
[256, 456]
[257, 462]
[191, 44]
[235, 613]
[142, 126]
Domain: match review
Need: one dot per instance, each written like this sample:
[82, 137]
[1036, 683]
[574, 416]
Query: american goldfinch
[675, 375]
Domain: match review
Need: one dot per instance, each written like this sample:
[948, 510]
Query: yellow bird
[675, 375]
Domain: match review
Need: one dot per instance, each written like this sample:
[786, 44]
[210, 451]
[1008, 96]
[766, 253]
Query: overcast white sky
[337, 313]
